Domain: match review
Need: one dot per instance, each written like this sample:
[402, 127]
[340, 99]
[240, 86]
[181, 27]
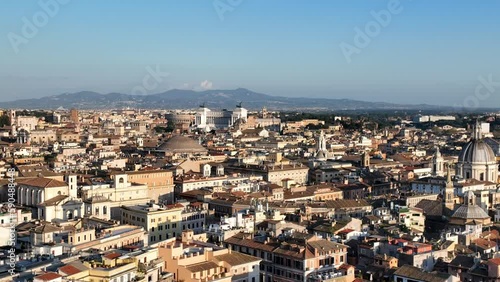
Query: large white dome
[477, 152]
[477, 159]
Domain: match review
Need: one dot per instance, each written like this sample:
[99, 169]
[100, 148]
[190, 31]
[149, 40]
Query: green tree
[169, 128]
[4, 120]
[50, 158]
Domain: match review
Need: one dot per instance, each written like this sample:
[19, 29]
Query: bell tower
[12, 117]
[449, 193]
[366, 159]
[13, 122]
[437, 163]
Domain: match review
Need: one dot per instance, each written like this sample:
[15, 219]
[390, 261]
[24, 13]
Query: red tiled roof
[345, 231]
[42, 182]
[49, 276]
[239, 193]
[69, 270]
[112, 255]
[346, 266]
[176, 205]
[495, 261]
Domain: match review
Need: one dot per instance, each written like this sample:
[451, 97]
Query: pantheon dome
[180, 144]
[477, 160]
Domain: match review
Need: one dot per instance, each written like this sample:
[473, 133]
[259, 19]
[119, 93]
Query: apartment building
[113, 238]
[195, 181]
[298, 257]
[413, 218]
[43, 136]
[275, 174]
[194, 217]
[192, 260]
[161, 222]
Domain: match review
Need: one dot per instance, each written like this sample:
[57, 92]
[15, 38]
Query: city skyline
[249, 141]
[416, 55]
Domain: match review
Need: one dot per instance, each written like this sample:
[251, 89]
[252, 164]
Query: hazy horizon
[422, 52]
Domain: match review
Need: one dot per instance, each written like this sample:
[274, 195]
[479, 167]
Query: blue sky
[430, 52]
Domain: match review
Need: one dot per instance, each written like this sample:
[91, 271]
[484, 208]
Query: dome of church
[477, 151]
[470, 212]
[179, 144]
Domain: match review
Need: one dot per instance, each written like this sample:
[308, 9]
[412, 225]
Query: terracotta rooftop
[418, 274]
[69, 270]
[112, 255]
[236, 258]
[49, 276]
[53, 201]
[42, 182]
[495, 261]
[338, 204]
[46, 228]
[202, 266]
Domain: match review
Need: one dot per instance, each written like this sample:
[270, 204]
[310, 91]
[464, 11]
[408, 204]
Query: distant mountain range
[189, 99]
